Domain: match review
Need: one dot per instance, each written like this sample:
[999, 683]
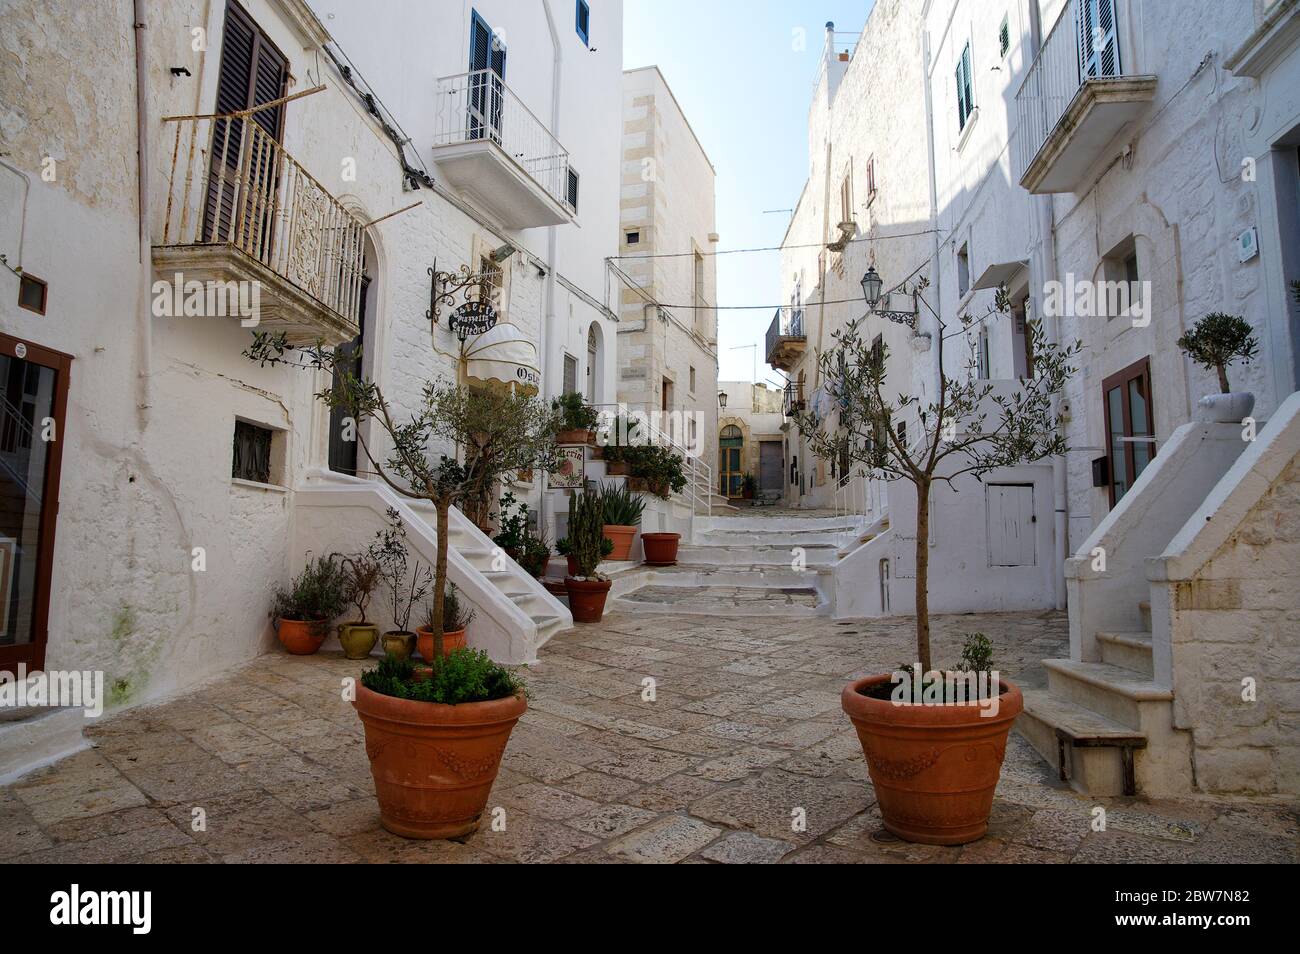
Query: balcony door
[1130, 434]
[1098, 39]
[33, 418]
[253, 73]
[487, 66]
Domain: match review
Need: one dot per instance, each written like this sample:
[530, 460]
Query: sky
[745, 82]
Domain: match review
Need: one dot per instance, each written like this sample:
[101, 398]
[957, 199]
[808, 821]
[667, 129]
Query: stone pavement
[744, 736]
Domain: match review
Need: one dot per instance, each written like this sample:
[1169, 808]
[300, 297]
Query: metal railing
[231, 183]
[698, 492]
[860, 495]
[793, 399]
[786, 323]
[479, 107]
[1054, 79]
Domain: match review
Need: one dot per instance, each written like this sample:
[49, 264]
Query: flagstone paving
[740, 754]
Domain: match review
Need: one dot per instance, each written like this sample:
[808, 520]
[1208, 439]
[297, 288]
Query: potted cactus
[1215, 342]
[587, 588]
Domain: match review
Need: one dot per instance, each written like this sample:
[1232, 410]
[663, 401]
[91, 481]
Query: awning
[999, 274]
[502, 354]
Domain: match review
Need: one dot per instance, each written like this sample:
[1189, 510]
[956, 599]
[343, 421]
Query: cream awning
[502, 354]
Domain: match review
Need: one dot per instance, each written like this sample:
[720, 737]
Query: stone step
[1093, 753]
[728, 601]
[786, 539]
[1123, 695]
[722, 554]
[750, 575]
[771, 523]
[37, 735]
[1127, 650]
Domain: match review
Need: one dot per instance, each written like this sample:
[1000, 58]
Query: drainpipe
[936, 259]
[547, 329]
[1043, 264]
[144, 317]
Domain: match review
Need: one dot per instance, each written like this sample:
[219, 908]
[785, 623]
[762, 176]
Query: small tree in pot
[1215, 342]
[303, 610]
[406, 585]
[361, 572]
[587, 544]
[931, 791]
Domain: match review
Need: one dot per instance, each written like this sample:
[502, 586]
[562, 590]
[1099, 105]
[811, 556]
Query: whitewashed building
[182, 481]
[668, 330]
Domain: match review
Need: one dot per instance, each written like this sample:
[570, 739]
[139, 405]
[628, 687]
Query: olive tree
[496, 430]
[969, 428]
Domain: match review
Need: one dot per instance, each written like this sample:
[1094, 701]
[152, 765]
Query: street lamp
[871, 286]
[722, 400]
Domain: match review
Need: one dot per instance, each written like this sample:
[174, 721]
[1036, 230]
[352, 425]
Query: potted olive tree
[435, 736]
[304, 609]
[1215, 342]
[587, 542]
[405, 584]
[361, 575]
[933, 743]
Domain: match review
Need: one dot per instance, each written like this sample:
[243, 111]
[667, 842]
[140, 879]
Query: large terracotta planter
[434, 764]
[587, 598]
[622, 538]
[660, 548]
[357, 639]
[399, 644]
[301, 637]
[934, 767]
[424, 642]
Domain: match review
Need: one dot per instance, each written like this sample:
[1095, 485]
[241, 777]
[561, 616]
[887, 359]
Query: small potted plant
[456, 614]
[616, 464]
[513, 535]
[303, 610]
[587, 588]
[435, 738]
[660, 548]
[658, 469]
[622, 510]
[536, 555]
[406, 585]
[748, 486]
[1215, 342]
[361, 573]
[579, 419]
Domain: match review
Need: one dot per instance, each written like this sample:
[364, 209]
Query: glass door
[1130, 431]
[33, 408]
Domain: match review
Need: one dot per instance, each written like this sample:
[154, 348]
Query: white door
[1011, 525]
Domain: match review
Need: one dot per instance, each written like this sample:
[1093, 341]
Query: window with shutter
[253, 72]
[584, 22]
[965, 97]
[573, 190]
[487, 51]
[1098, 39]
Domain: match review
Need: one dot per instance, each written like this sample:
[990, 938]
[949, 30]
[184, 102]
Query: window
[692, 379]
[1126, 399]
[871, 180]
[573, 190]
[965, 95]
[1098, 39]
[252, 453]
[570, 374]
[846, 197]
[584, 22]
[1004, 37]
[1124, 291]
[31, 293]
[633, 238]
[982, 360]
[963, 269]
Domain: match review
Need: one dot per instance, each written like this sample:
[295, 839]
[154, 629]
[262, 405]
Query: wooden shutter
[1098, 39]
[573, 190]
[253, 72]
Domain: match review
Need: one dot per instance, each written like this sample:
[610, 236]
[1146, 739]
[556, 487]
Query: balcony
[245, 220]
[785, 338]
[793, 400]
[491, 147]
[1075, 98]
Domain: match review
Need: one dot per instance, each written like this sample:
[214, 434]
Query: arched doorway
[731, 454]
[343, 443]
[594, 360]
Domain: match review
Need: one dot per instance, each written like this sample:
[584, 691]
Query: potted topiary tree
[361, 572]
[933, 742]
[434, 736]
[1215, 342]
[622, 510]
[304, 609]
[587, 588]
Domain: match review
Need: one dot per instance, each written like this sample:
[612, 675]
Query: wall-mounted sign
[1247, 245]
[568, 473]
[473, 318]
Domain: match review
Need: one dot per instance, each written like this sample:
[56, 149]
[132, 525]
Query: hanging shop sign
[472, 318]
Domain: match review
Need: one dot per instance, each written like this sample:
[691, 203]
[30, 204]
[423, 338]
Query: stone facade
[756, 410]
[668, 330]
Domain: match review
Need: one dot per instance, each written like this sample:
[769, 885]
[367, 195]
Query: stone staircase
[1095, 719]
[743, 566]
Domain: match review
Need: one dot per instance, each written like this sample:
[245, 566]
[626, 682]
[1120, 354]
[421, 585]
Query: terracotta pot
[399, 644]
[434, 764]
[575, 436]
[660, 548]
[357, 639]
[617, 468]
[934, 767]
[455, 639]
[622, 538]
[301, 637]
[587, 598]
[573, 565]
